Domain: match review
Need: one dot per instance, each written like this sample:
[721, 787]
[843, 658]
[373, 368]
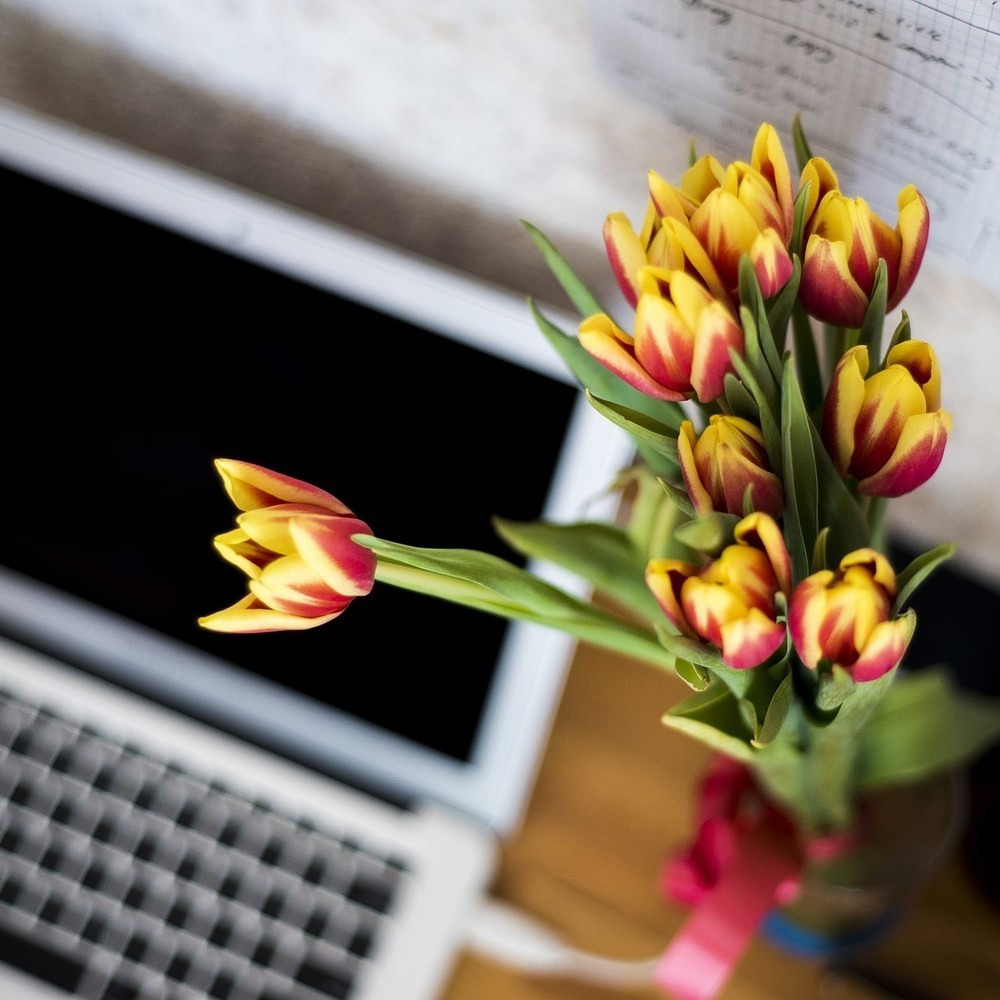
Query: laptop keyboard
[123, 877]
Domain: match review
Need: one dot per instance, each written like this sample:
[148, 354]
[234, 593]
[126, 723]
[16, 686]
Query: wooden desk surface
[615, 792]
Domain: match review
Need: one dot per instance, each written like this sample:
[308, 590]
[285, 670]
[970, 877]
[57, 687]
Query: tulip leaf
[492, 585]
[925, 724]
[660, 437]
[838, 508]
[706, 657]
[679, 497]
[901, 333]
[585, 302]
[799, 475]
[765, 416]
[760, 343]
[696, 678]
[739, 399]
[918, 570]
[709, 533]
[802, 152]
[603, 383]
[600, 553]
[780, 309]
[871, 326]
[833, 690]
[807, 359]
[713, 717]
[775, 714]
[795, 247]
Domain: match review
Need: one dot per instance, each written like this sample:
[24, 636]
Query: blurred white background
[438, 126]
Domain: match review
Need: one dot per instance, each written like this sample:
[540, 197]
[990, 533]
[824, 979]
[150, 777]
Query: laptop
[304, 815]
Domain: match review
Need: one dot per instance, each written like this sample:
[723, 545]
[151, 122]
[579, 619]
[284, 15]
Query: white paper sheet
[889, 91]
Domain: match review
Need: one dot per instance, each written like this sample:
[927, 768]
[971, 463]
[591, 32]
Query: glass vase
[851, 899]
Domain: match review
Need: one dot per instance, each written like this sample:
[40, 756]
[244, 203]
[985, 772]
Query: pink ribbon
[746, 858]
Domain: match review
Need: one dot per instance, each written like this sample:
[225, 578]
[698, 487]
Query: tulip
[732, 602]
[842, 617]
[744, 217]
[845, 241]
[293, 541]
[726, 460]
[665, 243]
[681, 344]
[705, 223]
[887, 430]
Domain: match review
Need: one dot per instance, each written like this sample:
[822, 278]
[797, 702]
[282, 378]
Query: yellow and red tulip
[842, 617]
[683, 336]
[731, 602]
[293, 541]
[845, 240]
[744, 216]
[723, 462]
[887, 430]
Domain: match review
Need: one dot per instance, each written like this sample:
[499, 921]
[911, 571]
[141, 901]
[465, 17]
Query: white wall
[500, 111]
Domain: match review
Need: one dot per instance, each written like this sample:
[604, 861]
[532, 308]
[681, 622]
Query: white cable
[513, 938]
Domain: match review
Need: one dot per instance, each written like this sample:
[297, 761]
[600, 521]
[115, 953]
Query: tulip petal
[600, 337]
[626, 254]
[806, 613]
[248, 616]
[916, 457]
[913, 227]
[891, 399]
[252, 486]
[327, 547]
[699, 496]
[748, 642]
[290, 584]
[828, 290]
[665, 577]
[885, 649]
[844, 399]
[664, 344]
[761, 530]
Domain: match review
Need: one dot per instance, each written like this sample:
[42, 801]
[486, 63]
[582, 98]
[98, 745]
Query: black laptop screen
[135, 356]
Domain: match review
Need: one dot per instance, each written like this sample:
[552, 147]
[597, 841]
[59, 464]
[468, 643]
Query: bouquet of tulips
[773, 417]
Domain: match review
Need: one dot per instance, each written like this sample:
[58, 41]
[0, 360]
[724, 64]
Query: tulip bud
[723, 463]
[887, 430]
[682, 340]
[842, 617]
[845, 241]
[732, 602]
[293, 541]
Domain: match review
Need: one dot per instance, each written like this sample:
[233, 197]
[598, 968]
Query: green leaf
[799, 475]
[918, 570]
[834, 689]
[901, 333]
[583, 299]
[709, 533]
[600, 553]
[713, 717]
[838, 507]
[658, 435]
[759, 342]
[765, 403]
[870, 333]
[780, 308]
[492, 585]
[696, 678]
[802, 152]
[924, 724]
[807, 360]
[776, 713]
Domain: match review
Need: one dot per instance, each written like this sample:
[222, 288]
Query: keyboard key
[35, 958]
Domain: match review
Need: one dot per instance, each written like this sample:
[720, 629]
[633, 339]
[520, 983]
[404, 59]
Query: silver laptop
[301, 815]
